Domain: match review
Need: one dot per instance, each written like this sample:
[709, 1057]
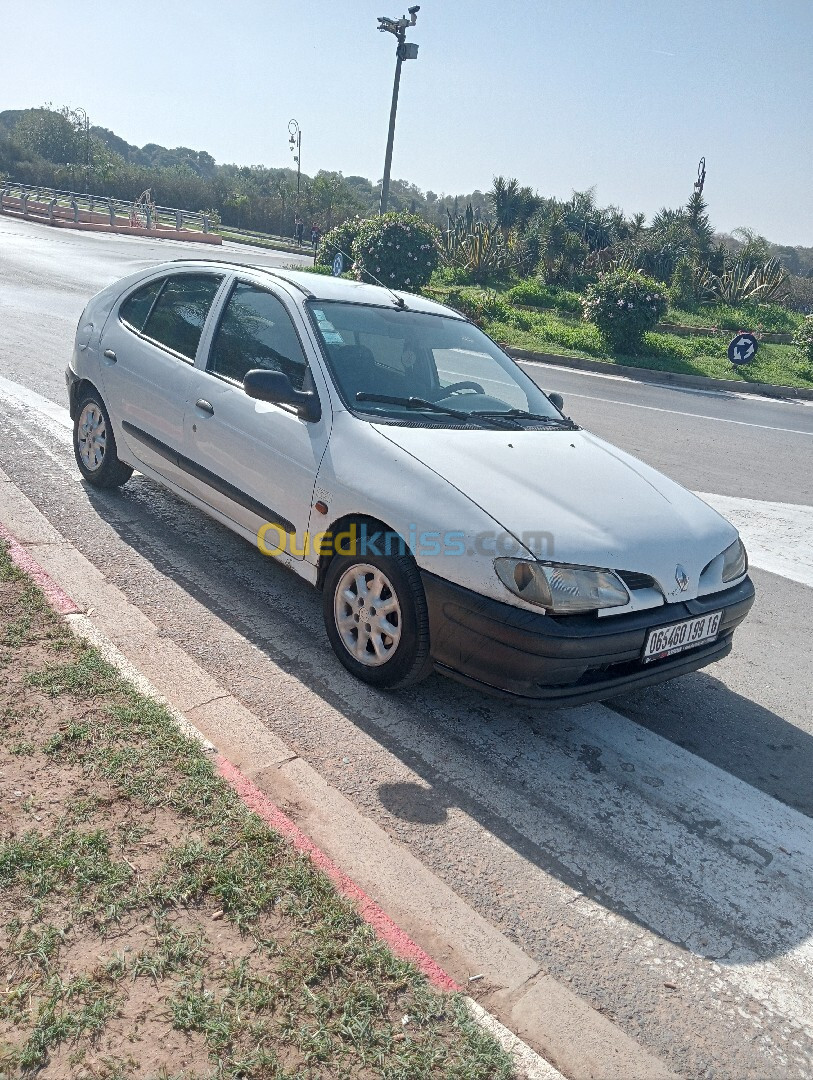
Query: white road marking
[718, 393]
[778, 536]
[676, 848]
[694, 416]
[63, 463]
[529, 1065]
[35, 401]
[715, 875]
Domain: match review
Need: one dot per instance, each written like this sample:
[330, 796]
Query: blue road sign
[338, 265]
[743, 348]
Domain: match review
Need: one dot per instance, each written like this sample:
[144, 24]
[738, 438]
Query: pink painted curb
[391, 934]
[56, 597]
[251, 796]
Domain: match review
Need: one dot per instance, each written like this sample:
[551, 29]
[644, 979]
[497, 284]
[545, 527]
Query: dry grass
[151, 926]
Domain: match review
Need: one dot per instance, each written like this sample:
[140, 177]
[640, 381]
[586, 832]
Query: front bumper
[565, 659]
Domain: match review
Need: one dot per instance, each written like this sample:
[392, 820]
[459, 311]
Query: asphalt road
[733, 444]
[657, 854]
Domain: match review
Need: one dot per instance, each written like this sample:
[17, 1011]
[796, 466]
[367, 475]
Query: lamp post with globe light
[86, 125]
[295, 144]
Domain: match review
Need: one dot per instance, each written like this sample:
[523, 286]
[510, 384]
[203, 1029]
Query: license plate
[668, 640]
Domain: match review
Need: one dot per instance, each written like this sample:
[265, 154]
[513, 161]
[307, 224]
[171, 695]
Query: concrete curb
[529, 1065]
[557, 1024]
[664, 378]
[120, 229]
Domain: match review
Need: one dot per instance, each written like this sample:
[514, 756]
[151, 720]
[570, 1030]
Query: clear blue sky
[563, 94]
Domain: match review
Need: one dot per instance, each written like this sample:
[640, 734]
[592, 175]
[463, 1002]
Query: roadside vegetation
[534, 270]
[151, 926]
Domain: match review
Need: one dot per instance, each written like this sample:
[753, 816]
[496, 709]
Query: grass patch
[560, 331]
[779, 364]
[152, 926]
[765, 318]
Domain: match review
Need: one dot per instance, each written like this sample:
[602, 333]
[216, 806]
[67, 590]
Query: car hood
[596, 505]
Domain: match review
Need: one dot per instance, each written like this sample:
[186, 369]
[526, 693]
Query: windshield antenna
[400, 303]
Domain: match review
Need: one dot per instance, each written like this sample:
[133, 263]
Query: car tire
[94, 444]
[377, 620]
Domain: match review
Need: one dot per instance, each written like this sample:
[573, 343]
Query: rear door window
[177, 316]
[138, 305]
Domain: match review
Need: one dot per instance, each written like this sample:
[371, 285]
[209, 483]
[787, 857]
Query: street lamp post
[405, 51]
[86, 123]
[295, 144]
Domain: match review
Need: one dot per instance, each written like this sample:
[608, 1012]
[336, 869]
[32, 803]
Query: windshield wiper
[431, 406]
[521, 414]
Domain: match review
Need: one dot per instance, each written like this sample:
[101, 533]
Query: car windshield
[441, 368]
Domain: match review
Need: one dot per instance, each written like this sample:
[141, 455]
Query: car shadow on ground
[562, 789]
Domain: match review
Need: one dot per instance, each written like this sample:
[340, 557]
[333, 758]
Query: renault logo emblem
[682, 578]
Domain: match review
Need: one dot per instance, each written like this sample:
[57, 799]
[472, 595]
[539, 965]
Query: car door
[148, 354]
[254, 461]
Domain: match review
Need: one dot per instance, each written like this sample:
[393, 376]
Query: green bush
[401, 250]
[316, 268]
[533, 293]
[480, 306]
[449, 275]
[682, 287]
[340, 239]
[568, 301]
[624, 305]
[803, 340]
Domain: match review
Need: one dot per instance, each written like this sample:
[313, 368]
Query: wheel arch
[77, 388]
[342, 524]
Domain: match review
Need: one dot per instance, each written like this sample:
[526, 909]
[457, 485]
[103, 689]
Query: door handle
[205, 406]
[110, 355]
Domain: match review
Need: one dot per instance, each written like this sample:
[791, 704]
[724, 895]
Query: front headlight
[565, 589]
[735, 561]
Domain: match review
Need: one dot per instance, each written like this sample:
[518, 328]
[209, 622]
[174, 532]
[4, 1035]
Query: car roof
[324, 287]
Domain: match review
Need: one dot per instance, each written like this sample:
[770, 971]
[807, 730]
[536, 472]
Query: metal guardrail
[77, 206]
[139, 213]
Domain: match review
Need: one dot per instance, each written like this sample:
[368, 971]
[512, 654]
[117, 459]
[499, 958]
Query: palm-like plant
[513, 205]
[745, 281]
[472, 245]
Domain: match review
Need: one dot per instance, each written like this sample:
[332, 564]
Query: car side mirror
[276, 387]
[558, 401]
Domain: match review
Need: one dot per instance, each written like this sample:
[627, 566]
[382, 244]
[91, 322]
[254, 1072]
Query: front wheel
[376, 619]
[94, 444]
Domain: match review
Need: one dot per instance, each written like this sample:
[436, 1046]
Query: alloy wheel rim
[367, 614]
[92, 437]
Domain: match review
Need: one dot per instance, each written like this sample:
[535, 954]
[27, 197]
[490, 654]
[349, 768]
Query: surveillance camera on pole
[405, 51]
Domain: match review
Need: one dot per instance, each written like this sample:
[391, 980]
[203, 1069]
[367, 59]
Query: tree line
[566, 241]
[55, 148]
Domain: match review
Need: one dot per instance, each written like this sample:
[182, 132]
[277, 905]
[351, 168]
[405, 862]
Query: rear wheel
[376, 618]
[94, 444]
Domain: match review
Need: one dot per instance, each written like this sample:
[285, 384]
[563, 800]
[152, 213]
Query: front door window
[256, 332]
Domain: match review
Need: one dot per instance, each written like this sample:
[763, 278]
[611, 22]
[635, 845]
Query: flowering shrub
[624, 305]
[341, 238]
[401, 250]
[803, 340]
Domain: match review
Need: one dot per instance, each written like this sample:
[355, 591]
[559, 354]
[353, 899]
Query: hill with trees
[536, 271]
[567, 242]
